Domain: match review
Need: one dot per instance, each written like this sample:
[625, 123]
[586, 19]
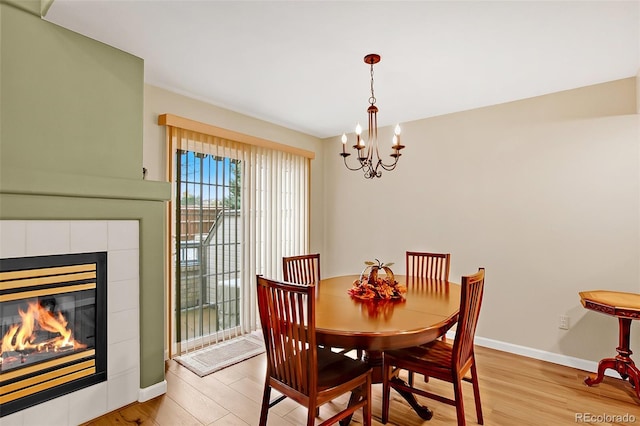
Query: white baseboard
[568, 361]
[152, 391]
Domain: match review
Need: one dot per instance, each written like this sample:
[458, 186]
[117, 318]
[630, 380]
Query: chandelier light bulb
[397, 130]
[344, 145]
[358, 129]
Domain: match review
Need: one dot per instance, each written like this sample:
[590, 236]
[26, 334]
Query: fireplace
[53, 325]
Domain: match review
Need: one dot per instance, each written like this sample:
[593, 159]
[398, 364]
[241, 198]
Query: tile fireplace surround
[120, 239]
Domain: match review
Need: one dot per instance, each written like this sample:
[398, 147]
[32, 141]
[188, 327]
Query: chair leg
[457, 391]
[410, 381]
[266, 395]
[476, 392]
[312, 414]
[366, 410]
[386, 393]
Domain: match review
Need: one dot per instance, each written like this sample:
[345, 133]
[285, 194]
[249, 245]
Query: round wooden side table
[626, 307]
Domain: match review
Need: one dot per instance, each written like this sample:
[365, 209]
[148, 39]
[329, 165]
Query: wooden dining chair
[420, 264]
[302, 269]
[442, 360]
[305, 269]
[296, 367]
[427, 265]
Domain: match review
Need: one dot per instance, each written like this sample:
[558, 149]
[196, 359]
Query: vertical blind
[274, 207]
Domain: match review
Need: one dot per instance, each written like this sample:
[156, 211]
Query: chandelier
[367, 150]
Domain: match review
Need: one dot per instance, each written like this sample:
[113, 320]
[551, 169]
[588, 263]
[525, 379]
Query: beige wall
[638, 89]
[543, 192]
[159, 101]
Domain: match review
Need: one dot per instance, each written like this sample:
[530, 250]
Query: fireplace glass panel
[57, 325]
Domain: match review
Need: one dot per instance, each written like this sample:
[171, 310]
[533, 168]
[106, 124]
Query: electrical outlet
[564, 322]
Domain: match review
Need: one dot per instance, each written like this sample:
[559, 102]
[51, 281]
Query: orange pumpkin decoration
[370, 286]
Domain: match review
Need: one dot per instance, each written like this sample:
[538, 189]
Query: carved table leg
[374, 359]
[622, 363]
[421, 410]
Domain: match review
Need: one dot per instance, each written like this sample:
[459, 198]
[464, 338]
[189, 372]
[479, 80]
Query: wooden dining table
[429, 308]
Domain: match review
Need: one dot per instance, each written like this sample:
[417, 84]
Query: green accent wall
[71, 120]
[74, 105]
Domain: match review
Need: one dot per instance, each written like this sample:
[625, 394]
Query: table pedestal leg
[374, 359]
[355, 397]
[422, 410]
[622, 363]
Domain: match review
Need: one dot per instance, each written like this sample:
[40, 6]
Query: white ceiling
[300, 63]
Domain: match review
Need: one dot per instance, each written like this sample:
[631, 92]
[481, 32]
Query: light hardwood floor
[515, 390]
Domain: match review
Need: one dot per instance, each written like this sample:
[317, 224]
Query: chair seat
[433, 355]
[334, 368]
[432, 359]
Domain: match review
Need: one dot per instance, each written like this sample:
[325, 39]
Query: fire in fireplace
[52, 325]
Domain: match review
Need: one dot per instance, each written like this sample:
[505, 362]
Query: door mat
[224, 354]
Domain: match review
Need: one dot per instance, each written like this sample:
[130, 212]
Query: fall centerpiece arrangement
[372, 285]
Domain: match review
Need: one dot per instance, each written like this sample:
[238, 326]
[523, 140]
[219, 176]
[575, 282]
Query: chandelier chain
[372, 99]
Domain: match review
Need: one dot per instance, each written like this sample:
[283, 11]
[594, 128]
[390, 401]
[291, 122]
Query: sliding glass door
[208, 247]
[237, 209]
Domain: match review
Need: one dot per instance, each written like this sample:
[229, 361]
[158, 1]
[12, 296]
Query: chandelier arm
[350, 168]
[375, 171]
[388, 167]
[391, 166]
[370, 174]
[369, 156]
[374, 123]
[378, 155]
[367, 168]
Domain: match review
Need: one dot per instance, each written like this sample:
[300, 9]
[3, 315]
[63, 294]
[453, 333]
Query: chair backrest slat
[287, 315]
[428, 265]
[472, 290]
[303, 269]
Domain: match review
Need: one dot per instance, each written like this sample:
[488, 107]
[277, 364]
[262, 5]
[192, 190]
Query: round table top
[429, 309]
